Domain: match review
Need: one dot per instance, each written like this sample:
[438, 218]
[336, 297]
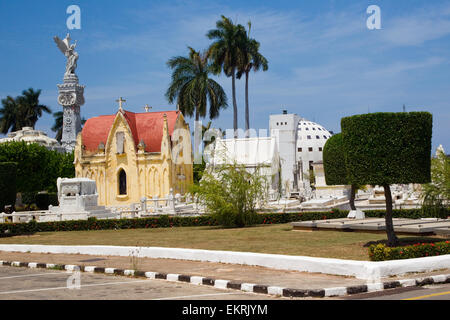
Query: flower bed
[381, 252]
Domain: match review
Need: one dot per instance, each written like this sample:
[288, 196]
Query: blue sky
[324, 63]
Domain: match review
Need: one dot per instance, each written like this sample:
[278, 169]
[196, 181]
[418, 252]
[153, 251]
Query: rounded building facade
[311, 137]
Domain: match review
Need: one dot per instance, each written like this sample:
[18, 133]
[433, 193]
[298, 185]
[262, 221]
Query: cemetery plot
[406, 226]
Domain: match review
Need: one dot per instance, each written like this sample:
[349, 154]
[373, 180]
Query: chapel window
[122, 182]
[119, 142]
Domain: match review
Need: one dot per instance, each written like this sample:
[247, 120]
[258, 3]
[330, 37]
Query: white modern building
[294, 142]
[300, 143]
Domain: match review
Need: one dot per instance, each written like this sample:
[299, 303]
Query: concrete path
[220, 275]
[36, 284]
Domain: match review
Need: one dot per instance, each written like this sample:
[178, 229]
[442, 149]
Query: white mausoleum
[294, 142]
[29, 135]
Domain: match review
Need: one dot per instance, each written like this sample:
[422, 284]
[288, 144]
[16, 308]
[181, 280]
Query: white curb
[221, 284]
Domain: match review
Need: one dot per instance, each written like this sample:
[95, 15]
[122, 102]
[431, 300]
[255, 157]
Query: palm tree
[8, 115]
[227, 54]
[58, 125]
[252, 60]
[193, 89]
[30, 107]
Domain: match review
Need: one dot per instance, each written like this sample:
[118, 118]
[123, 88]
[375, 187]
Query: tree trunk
[392, 238]
[247, 116]
[235, 111]
[352, 197]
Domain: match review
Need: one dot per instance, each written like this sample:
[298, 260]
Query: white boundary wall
[368, 270]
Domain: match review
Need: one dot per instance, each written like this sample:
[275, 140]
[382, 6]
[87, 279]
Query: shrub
[231, 194]
[381, 252]
[163, 221]
[8, 176]
[29, 197]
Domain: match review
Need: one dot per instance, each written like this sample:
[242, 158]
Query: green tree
[388, 148]
[227, 54]
[8, 115]
[22, 111]
[252, 60]
[192, 87]
[8, 177]
[37, 167]
[436, 195]
[31, 108]
[231, 194]
[58, 125]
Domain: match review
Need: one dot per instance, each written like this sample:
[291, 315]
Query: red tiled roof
[147, 126]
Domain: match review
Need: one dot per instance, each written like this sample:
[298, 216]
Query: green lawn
[278, 239]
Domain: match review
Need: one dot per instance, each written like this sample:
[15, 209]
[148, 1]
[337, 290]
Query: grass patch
[276, 239]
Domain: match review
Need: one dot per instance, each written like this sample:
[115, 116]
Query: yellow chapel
[134, 155]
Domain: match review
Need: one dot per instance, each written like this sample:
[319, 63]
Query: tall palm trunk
[247, 116]
[392, 238]
[235, 111]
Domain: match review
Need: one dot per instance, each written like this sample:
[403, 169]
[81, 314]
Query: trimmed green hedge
[8, 178]
[388, 148]
[381, 252]
[334, 161]
[165, 221]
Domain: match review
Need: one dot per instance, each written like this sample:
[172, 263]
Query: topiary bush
[388, 148]
[8, 177]
[334, 161]
[334, 165]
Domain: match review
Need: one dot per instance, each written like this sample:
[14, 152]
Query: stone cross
[120, 101]
[147, 107]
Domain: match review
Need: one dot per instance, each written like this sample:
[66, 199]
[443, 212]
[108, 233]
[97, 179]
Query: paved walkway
[233, 272]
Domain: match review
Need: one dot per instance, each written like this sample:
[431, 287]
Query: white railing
[171, 205]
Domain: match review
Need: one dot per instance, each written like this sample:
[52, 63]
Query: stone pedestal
[71, 97]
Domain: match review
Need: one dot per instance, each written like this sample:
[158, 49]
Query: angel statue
[69, 51]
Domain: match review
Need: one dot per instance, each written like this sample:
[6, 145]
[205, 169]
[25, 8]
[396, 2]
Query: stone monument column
[71, 95]
[71, 98]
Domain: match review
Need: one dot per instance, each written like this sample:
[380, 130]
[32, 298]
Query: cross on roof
[147, 107]
[120, 101]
